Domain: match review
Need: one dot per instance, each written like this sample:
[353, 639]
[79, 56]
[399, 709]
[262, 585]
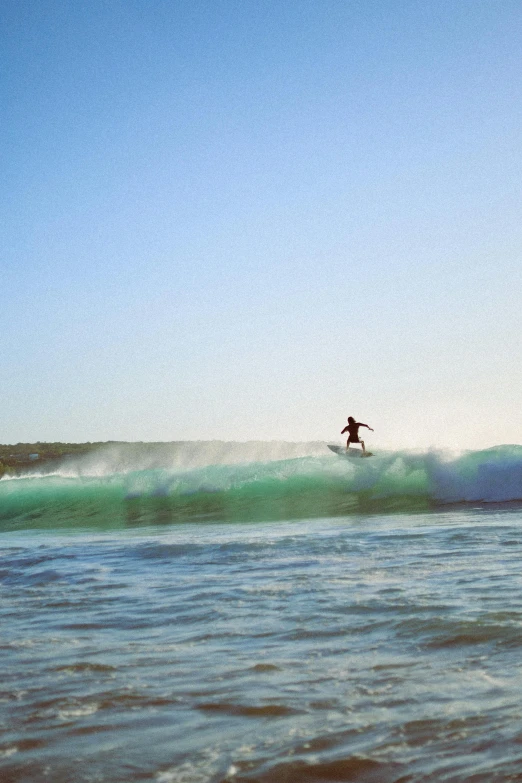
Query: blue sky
[248, 220]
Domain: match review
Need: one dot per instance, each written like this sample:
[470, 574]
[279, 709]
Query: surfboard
[350, 453]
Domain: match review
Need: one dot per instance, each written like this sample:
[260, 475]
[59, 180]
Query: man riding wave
[353, 432]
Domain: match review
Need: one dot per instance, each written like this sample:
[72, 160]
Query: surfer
[353, 432]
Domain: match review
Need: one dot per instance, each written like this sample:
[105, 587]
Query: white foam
[79, 712]
[6, 752]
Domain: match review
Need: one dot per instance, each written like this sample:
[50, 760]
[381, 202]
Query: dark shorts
[353, 439]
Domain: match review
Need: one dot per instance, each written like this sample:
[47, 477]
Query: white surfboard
[350, 453]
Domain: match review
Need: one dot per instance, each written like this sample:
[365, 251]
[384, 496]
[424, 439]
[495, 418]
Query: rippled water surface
[371, 648]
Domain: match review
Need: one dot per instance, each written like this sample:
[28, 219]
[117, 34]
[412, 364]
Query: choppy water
[140, 645]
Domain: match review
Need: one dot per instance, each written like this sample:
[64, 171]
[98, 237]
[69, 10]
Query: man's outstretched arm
[365, 425]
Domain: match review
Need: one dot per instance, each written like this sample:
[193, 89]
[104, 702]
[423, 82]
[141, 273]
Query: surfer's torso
[353, 432]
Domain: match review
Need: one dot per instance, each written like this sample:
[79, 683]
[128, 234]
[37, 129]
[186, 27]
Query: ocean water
[270, 612]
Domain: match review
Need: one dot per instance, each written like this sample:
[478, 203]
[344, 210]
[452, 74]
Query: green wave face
[298, 488]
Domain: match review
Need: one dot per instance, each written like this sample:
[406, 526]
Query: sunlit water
[359, 647]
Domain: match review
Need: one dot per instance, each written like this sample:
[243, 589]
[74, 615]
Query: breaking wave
[134, 484]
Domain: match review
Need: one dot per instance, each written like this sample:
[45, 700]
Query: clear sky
[228, 219]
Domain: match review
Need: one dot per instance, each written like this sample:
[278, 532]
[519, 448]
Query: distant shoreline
[17, 457]
[31, 457]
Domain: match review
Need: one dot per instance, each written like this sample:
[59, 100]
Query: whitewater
[239, 612]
